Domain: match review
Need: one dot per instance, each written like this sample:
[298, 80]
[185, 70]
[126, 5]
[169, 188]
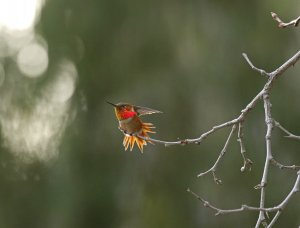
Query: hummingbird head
[123, 110]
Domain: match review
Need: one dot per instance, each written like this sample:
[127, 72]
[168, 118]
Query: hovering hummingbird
[131, 125]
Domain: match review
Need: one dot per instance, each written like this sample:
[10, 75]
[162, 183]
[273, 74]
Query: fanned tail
[131, 140]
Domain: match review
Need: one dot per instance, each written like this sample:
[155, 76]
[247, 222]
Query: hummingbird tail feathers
[130, 140]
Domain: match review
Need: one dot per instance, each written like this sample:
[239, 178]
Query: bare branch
[289, 134]
[262, 72]
[205, 203]
[247, 162]
[283, 204]
[280, 166]
[264, 179]
[270, 123]
[278, 213]
[223, 151]
[282, 24]
[273, 75]
[215, 128]
[280, 70]
[277, 208]
[196, 140]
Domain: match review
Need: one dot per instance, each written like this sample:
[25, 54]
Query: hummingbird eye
[124, 108]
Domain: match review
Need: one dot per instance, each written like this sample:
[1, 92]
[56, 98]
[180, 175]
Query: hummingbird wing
[145, 111]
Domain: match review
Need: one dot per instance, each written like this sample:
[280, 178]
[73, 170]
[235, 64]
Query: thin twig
[289, 134]
[284, 203]
[280, 70]
[196, 140]
[215, 128]
[223, 151]
[262, 72]
[282, 24]
[247, 162]
[281, 166]
[278, 208]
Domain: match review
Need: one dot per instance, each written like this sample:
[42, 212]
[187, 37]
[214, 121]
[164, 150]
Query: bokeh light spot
[18, 14]
[63, 87]
[33, 60]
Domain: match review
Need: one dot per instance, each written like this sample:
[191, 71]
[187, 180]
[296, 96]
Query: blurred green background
[62, 163]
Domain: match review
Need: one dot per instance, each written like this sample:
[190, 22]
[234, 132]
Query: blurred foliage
[180, 57]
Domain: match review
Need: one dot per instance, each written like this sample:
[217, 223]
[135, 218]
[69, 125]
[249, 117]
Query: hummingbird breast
[131, 125]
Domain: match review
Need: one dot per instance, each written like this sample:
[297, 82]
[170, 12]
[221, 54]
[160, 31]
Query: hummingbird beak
[111, 103]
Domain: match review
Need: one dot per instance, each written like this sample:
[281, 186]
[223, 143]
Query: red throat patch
[127, 114]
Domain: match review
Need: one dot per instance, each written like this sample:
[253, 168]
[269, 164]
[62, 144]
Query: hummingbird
[131, 124]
